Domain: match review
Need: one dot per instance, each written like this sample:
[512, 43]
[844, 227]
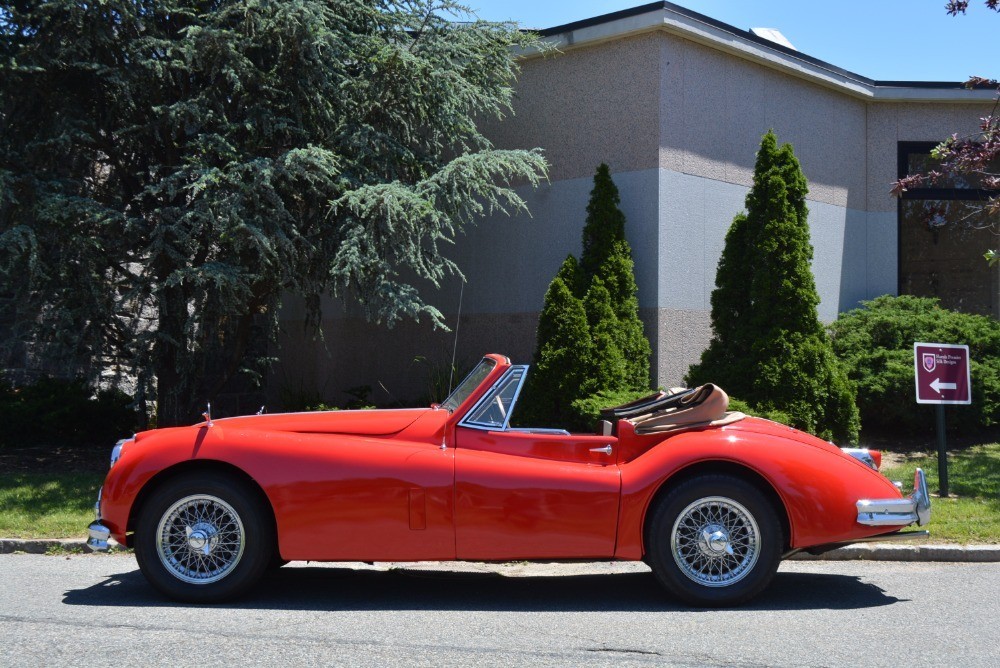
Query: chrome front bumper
[98, 534]
[898, 512]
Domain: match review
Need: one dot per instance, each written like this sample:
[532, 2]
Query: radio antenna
[454, 347]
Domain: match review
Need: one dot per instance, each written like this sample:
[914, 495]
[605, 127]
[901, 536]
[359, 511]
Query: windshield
[468, 386]
[494, 410]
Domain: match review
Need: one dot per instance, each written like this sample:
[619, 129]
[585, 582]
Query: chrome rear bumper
[898, 512]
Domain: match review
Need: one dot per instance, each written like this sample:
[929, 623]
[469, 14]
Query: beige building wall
[589, 105]
[714, 108]
[679, 122]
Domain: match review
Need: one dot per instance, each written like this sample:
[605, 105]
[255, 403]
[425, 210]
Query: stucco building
[676, 103]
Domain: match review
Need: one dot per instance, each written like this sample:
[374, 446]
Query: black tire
[277, 562]
[714, 541]
[204, 537]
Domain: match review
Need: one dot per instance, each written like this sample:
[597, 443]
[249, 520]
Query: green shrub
[768, 345]
[55, 411]
[608, 371]
[620, 356]
[743, 407]
[321, 407]
[876, 344]
[586, 412]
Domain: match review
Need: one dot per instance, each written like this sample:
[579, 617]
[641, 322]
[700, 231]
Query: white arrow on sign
[937, 385]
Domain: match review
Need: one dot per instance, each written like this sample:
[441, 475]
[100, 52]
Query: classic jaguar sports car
[712, 500]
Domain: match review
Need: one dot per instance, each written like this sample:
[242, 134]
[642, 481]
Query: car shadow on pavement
[337, 589]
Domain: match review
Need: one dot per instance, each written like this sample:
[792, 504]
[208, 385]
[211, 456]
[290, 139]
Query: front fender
[151, 453]
[333, 496]
[257, 454]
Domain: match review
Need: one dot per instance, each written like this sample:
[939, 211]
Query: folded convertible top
[702, 406]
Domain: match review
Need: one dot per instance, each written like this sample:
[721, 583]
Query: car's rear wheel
[714, 540]
[204, 537]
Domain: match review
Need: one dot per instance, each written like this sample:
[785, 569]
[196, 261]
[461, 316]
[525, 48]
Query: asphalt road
[97, 610]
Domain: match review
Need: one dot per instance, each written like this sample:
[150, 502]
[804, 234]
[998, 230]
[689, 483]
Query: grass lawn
[47, 505]
[971, 514]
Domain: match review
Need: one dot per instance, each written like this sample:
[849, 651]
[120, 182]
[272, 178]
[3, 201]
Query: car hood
[361, 423]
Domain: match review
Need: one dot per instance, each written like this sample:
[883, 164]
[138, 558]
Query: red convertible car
[712, 500]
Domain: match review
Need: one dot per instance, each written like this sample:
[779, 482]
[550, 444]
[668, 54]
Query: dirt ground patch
[55, 459]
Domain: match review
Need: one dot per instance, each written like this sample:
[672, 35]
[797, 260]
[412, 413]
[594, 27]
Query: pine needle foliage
[169, 169]
[614, 359]
[768, 346]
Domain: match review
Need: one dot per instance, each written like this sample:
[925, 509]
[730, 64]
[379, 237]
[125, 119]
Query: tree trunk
[173, 401]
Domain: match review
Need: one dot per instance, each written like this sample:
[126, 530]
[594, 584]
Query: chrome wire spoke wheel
[200, 539]
[715, 541]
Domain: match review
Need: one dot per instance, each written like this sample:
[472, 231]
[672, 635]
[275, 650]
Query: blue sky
[912, 40]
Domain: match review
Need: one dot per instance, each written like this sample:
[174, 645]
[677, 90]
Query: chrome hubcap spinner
[202, 537]
[715, 541]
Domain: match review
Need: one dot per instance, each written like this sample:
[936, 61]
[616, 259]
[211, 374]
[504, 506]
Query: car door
[364, 498]
[531, 494]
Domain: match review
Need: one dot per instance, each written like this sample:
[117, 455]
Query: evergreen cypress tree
[615, 357]
[617, 274]
[562, 356]
[569, 272]
[608, 366]
[605, 224]
[768, 346]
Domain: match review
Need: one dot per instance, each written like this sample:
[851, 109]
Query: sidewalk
[860, 551]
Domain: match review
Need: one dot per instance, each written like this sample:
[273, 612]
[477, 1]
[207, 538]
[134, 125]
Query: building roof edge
[743, 43]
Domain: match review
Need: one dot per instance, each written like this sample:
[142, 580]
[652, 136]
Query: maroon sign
[942, 373]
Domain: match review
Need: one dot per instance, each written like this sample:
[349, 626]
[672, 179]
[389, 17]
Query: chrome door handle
[606, 449]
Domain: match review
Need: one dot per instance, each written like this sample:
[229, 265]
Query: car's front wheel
[204, 537]
[714, 540]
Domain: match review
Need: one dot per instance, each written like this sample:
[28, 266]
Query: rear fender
[818, 488]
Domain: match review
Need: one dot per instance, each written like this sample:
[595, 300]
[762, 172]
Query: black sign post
[942, 453]
[941, 373]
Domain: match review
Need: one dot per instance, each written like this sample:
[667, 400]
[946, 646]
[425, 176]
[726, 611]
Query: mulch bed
[55, 459]
[927, 442]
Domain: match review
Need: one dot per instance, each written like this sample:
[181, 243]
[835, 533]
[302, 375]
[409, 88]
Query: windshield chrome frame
[452, 409]
[490, 396]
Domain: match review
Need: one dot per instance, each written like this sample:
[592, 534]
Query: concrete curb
[897, 552]
[856, 552]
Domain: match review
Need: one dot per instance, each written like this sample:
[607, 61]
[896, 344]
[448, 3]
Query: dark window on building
[942, 239]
